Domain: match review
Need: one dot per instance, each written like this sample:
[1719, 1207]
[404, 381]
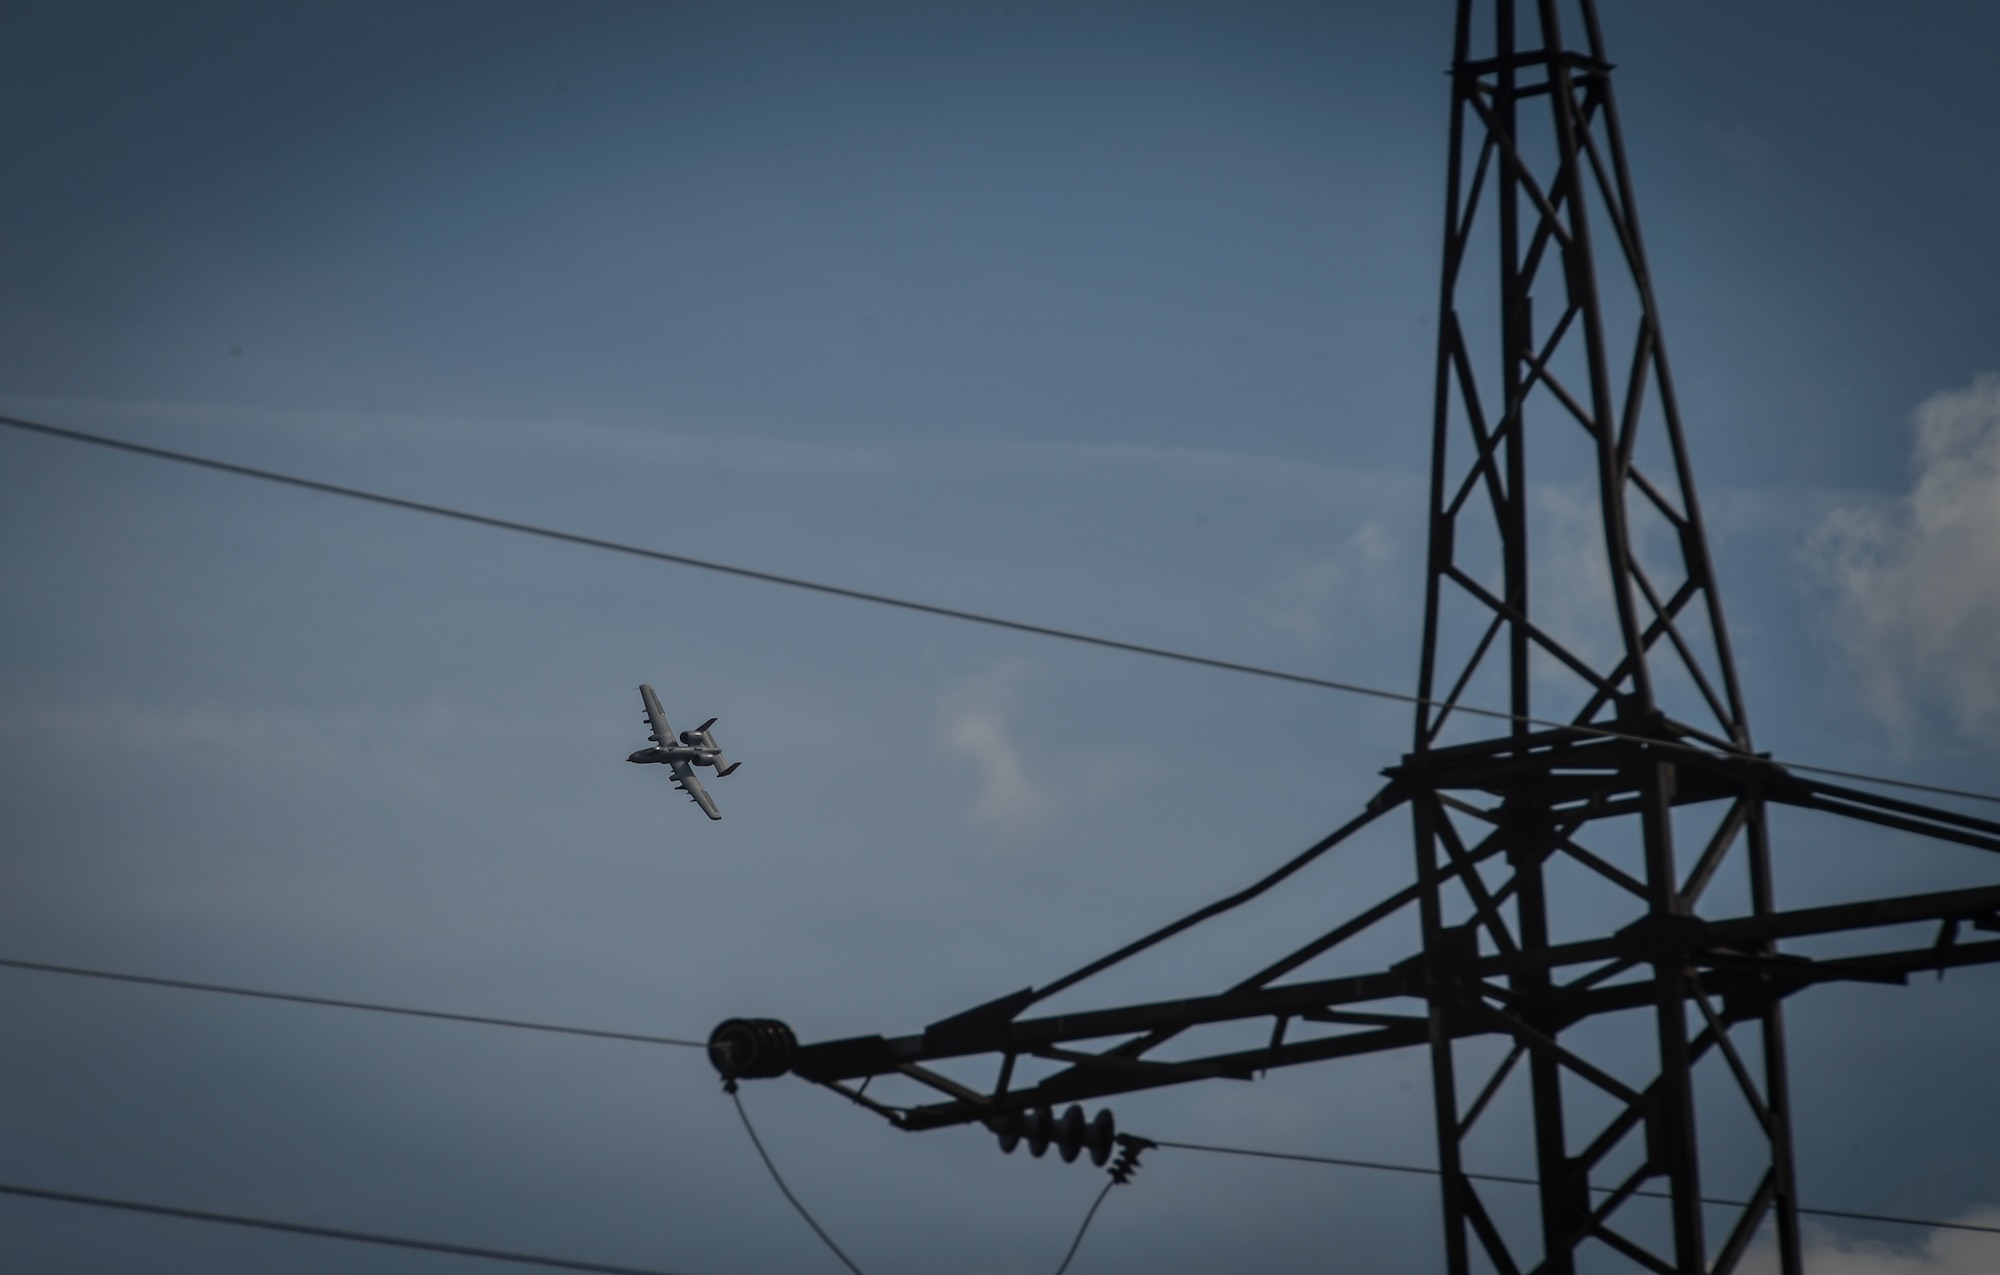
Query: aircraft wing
[663, 734]
[685, 781]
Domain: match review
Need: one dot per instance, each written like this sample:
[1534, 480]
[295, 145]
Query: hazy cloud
[1331, 589]
[1942, 1252]
[975, 718]
[416, 746]
[1571, 597]
[1918, 583]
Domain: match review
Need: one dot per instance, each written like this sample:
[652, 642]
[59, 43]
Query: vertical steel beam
[1777, 1082]
[1580, 276]
[1673, 1114]
[1440, 538]
[1563, 1208]
[1516, 339]
[1452, 1183]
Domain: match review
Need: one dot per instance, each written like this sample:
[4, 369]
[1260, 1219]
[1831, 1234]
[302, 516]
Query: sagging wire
[1078, 1241]
[927, 608]
[1516, 1180]
[225, 989]
[327, 1232]
[1119, 1174]
[729, 1087]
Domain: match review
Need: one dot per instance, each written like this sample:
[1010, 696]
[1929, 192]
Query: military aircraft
[694, 748]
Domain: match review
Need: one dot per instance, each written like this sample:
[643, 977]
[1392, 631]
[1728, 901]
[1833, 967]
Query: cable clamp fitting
[1130, 1146]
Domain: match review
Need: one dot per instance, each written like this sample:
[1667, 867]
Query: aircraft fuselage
[692, 756]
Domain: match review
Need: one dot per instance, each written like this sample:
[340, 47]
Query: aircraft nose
[644, 754]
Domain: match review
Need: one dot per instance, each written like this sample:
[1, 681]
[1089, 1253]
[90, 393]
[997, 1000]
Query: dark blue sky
[1115, 317]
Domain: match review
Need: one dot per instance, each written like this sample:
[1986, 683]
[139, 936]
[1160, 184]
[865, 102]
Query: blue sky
[1115, 318]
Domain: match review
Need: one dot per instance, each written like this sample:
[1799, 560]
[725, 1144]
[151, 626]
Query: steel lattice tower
[1538, 164]
[1626, 778]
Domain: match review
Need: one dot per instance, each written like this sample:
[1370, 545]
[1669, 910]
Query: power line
[328, 1232]
[826, 1239]
[146, 980]
[779, 1178]
[261, 994]
[1511, 1180]
[1077, 1243]
[906, 604]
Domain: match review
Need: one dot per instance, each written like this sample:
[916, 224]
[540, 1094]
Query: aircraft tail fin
[730, 769]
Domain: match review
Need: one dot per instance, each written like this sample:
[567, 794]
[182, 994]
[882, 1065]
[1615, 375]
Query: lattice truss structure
[1600, 929]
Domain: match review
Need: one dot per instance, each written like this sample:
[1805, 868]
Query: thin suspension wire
[779, 1178]
[523, 1025]
[1076, 1243]
[227, 990]
[328, 1232]
[1512, 1180]
[42, 967]
[925, 608]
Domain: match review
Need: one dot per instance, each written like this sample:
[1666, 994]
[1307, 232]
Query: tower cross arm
[1658, 939]
[860, 1056]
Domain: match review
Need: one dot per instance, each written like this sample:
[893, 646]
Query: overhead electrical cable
[779, 1178]
[524, 1025]
[1512, 1180]
[1077, 1243]
[328, 1232]
[331, 1002]
[906, 604]
[826, 1239]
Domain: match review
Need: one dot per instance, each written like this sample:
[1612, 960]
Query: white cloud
[975, 718]
[1918, 584]
[416, 747]
[1941, 1252]
[1333, 589]
[711, 446]
[1570, 595]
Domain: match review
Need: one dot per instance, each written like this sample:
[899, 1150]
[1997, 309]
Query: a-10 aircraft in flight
[694, 748]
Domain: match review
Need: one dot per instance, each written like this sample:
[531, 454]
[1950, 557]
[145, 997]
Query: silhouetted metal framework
[1569, 442]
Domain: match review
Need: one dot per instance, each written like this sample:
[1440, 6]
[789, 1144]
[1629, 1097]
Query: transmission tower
[1646, 798]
